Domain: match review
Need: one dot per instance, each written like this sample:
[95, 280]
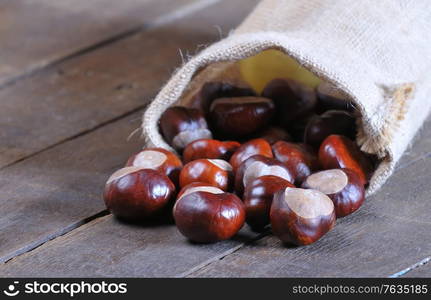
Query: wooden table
[75, 77]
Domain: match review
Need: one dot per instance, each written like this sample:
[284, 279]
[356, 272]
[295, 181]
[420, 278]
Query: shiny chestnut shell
[133, 193]
[257, 166]
[337, 152]
[301, 216]
[343, 186]
[209, 148]
[330, 122]
[205, 217]
[215, 172]
[181, 125]
[216, 89]
[258, 197]
[248, 149]
[158, 159]
[299, 159]
[241, 116]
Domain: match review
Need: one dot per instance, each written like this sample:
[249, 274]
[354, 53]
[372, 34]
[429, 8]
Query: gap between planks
[222, 255]
[82, 133]
[36, 244]
[170, 17]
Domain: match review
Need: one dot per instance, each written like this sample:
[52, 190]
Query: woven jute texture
[377, 52]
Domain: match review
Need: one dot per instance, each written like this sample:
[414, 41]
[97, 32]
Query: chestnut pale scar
[328, 181]
[308, 203]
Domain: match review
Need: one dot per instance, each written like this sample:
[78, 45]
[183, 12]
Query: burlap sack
[377, 51]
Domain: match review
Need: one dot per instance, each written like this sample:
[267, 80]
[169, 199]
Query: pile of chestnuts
[285, 158]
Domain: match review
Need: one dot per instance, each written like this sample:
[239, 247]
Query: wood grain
[36, 33]
[84, 92]
[56, 190]
[108, 248]
[420, 148]
[388, 234]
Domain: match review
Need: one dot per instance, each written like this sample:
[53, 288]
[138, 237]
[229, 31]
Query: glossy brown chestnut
[300, 161]
[329, 97]
[133, 193]
[331, 122]
[274, 134]
[206, 148]
[338, 152]
[292, 100]
[214, 89]
[301, 216]
[343, 186]
[241, 116]
[215, 172]
[248, 149]
[208, 216]
[258, 197]
[181, 126]
[158, 159]
[257, 166]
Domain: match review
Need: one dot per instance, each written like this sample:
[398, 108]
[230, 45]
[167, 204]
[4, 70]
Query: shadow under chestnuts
[286, 157]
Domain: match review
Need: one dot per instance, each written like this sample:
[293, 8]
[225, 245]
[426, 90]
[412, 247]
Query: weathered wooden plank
[37, 33]
[388, 234]
[53, 191]
[86, 91]
[57, 189]
[105, 247]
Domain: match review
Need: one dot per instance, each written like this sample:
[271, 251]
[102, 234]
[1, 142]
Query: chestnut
[133, 193]
[257, 166]
[301, 216]
[207, 148]
[258, 199]
[181, 126]
[300, 160]
[158, 159]
[292, 99]
[274, 134]
[248, 149]
[329, 97]
[343, 186]
[215, 89]
[241, 116]
[215, 172]
[337, 151]
[331, 122]
[207, 215]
